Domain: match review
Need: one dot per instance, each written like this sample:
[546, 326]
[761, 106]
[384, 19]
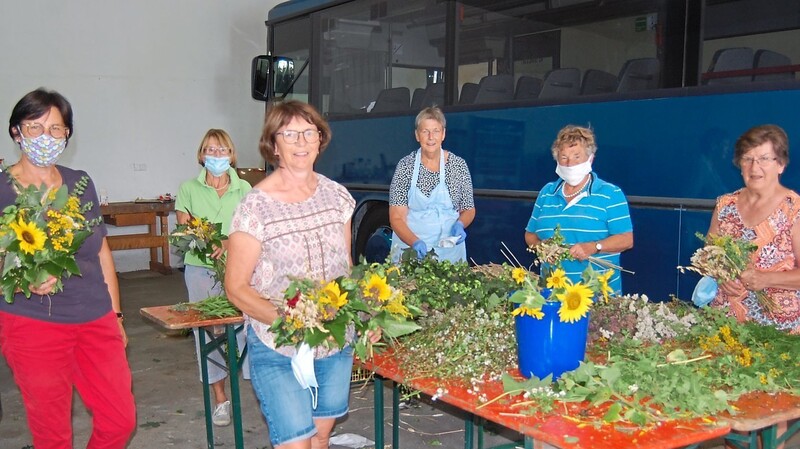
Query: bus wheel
[374, 237]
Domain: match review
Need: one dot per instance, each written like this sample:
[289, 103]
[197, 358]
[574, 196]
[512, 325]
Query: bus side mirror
[259, 79]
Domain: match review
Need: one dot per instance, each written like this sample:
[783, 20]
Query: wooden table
[155, 216]
[170, 319]
[759, 411]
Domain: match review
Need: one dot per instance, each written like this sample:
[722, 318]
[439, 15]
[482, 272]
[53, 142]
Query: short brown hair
[572, 134]
[223, 138]
[279, 115]
[759, 135]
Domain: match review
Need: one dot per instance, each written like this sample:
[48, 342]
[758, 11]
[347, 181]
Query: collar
[588, 188]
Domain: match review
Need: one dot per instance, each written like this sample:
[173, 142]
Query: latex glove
[458, 231]
[421, 248]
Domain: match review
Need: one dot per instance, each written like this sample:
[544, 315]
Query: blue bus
[667, 86]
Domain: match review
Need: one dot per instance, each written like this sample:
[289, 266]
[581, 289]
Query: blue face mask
[217, 166]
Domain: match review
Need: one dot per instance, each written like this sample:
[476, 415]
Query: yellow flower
[31, 238]
[377, 288]
[605, 289]
[334, 295]
[575, 303]
[558, 279]
[396, 307]
[519, 274]
[530, 311]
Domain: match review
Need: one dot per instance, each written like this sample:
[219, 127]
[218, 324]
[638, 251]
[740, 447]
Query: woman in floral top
[765, 213]
[295, 222]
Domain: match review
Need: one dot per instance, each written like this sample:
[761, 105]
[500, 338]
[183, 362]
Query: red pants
[49, 359]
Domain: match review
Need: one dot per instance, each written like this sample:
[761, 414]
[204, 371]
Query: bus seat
[639, 74]
[598, 82]
[528, 87]
[416, 99]
[495, 89]
[468, 93]
[769, 58]
[559, 83]
[434, 95]
[392, 100]
[726, 59]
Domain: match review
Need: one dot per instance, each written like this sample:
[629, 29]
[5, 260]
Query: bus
[667, 86]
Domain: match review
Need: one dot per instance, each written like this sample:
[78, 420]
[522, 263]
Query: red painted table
[758, 411]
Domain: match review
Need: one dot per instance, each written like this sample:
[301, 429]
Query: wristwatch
[598, 246]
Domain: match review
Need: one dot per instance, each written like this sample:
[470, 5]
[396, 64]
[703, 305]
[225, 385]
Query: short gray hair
[430, 113]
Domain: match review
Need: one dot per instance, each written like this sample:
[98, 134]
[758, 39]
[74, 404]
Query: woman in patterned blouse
[765, 213]
[430, 198]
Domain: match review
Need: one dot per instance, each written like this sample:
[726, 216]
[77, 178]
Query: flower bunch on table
[40, 234]
[724, 258]
[323, 313]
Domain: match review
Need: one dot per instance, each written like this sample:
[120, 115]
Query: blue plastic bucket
[548, 346]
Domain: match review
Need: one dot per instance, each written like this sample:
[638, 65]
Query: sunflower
[575, 303]
[523, 310]
[557, 279]
[377, 288]
[605, 289]
[334, 295]
[31, 238]
[519, 274]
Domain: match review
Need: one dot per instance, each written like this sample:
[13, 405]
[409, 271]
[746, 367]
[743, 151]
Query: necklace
[572, 195]
[222, 187]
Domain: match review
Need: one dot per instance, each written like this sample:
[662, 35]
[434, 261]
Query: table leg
[395, 415]
[378, 414]
[468, 431]
[206, 388]
[233, 374]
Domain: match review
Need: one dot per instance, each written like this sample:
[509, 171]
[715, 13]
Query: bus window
[746, 42]
[292, 41]
[370, 47]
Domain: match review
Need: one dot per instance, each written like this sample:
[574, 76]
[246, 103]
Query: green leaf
[613, 413]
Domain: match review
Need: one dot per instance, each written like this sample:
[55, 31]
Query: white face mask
[573, 175]
[303, 368]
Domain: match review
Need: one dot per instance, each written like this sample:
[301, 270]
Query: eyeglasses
[36, 129]
[763, 160]
[221, 151]
[291, 136]
[430, 132]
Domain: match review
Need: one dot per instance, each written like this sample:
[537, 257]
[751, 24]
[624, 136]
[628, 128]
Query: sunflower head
[575, 302]
[605, 289]
[557, 279]
[31, 238]
[333, 295]
[519, 274]
[523, 310]
[376, 287]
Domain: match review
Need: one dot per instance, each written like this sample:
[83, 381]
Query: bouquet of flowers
[724, 258]
[40, 234]
[199, 237]
[323, 313]
[576, 297]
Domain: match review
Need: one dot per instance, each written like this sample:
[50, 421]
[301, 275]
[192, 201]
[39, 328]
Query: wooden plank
[135, 241]
[167, 318]
[140, 218]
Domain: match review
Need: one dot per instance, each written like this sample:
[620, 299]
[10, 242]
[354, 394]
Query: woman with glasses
[213, 195]
[58, 341]
[591, 213]
[430, 198]
[294, 223]
[767, 214]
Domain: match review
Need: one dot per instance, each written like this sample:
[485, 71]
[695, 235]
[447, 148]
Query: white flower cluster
[439, 393]
[544, 392]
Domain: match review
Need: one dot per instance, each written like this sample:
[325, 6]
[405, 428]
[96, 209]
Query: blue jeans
[286, 406]
[200, 285]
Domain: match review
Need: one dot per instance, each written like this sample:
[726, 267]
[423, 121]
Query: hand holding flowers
[204, 239]
[39, 237]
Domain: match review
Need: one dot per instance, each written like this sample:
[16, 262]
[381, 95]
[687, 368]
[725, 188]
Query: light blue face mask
[705, 291]
[217, 166]
[303, 369]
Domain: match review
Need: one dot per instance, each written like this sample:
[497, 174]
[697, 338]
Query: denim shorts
[286, 406]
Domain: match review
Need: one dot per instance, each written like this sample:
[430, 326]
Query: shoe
[222, 414]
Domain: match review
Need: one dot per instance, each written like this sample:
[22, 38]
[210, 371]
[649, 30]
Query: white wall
[146, 79]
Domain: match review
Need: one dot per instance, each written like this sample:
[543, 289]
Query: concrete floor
[169, 396]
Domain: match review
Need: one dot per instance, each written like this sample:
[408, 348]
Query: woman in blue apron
[430, 198]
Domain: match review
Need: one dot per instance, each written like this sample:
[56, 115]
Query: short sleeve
[182, 203]
[347, 204]
[461, 180]
[401, 181]
[619, 216]
[246, 219]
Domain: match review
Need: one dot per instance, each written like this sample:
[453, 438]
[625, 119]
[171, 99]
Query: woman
[430, 198]
[765, 213]
[77, 339]
[294, 223]
[213, 195]
[592, 214]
